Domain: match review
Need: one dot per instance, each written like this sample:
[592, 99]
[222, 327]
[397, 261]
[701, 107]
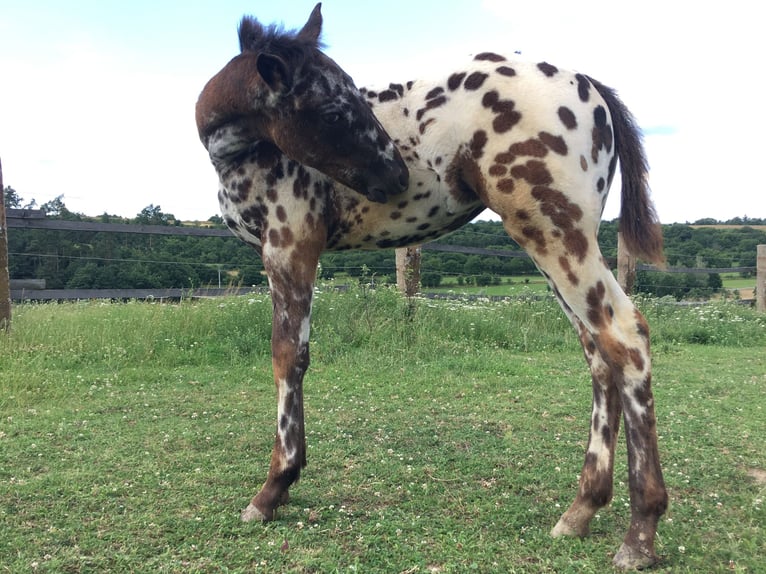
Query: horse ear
[313, 27]
[274, 72]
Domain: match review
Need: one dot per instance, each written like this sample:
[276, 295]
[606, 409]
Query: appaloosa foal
[304, 166]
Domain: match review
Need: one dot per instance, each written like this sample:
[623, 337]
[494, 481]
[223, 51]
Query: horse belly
[426, 211]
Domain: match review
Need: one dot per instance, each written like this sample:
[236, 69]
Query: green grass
[443, 437]
[536, 284]
[508, 287]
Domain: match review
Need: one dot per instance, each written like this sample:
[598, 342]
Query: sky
[97, 96]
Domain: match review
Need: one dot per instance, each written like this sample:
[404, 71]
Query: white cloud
[106, 134]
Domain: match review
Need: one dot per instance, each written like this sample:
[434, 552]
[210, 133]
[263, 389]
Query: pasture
[443, 436]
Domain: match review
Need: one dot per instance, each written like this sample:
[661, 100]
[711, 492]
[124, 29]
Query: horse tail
[639, 224]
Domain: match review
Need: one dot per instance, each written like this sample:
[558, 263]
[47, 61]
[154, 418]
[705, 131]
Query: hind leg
[615, 339]
[596, 478]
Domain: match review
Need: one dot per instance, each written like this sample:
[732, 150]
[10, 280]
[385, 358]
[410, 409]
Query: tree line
[100, 260]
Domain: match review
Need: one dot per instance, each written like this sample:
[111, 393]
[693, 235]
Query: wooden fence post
[5, 281]
[760, 279]
[408, 270]
[626, 266]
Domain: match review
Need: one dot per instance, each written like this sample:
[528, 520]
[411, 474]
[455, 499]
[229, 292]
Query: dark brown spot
[387, 96]
[506, 117]
[531, 147]
[281, 214]
[556, 143]
[435, 92]
[505, 122]
[506, 71]
[583, 163]
[395, 214]
[576, 243]
[564, 262]
[506, 185]
[301, 183]
[490, 99]
[477, 144]
[497, 170]
[432, 104]
[534, 172]
[547, 69]
[583, 87]
[642, 327]
[253, 214]
[563, 214]
[287, 236]
[489, 57]
[567, 118]
[243, 189]
[602, 133]
[475, 81]
[536, 235]
[505, 157]
[274, 237]
[455, 80]
[637, 358]
[594, 298]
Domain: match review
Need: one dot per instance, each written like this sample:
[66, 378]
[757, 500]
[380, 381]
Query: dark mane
[273, 39]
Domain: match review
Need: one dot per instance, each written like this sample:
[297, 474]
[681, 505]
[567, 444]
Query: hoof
[251, 513]
[628, 558]
[563, 528]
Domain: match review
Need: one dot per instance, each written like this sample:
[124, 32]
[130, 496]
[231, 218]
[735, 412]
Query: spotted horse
[308, 163]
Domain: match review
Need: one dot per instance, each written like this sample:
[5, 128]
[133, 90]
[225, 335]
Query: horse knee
[596, 485]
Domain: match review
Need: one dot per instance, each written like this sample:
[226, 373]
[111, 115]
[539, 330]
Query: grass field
[733, 285]
[444, 436]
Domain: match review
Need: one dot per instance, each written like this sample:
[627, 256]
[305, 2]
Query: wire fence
[35, 219]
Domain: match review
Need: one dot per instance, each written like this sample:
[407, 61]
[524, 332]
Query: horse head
[282, 88]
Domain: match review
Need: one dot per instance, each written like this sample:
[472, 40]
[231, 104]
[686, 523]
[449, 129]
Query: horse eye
[331, 117]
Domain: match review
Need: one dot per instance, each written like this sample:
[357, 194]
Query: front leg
[291, 279]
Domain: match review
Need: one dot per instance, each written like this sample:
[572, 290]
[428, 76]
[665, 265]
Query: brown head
[281, 88]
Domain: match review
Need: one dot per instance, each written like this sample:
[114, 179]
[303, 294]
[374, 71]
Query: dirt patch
[747, 294]
[757, 474]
